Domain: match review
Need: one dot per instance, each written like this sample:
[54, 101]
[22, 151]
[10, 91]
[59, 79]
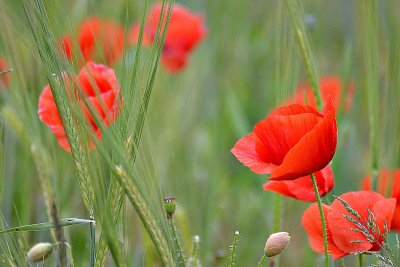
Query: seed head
[170, 206]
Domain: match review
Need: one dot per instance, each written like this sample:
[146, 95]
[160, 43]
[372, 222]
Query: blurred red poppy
[388, 182]
[66, 45]
[302, 188]
[292, 142]
[98, 39]
[185, 31]
[329, 86]
[4, 78]
[362, 233]
[99, 89]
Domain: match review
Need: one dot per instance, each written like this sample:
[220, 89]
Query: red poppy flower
[292, 142]
[302, 188]
[66, 45]
[99, 89]
[185, 31]
[329, 86]
[344, 236]
[97, 39]
[388, 183]
[4, 78]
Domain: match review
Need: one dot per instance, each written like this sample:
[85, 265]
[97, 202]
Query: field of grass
[173, 132]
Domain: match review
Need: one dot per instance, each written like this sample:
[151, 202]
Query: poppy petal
[278, 134]
[302, 188]
[312, 153]
[311, 222]
[245, 151]
[362, 202]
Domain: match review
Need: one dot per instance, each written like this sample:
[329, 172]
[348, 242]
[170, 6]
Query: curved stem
[260, 263]
[321, 214]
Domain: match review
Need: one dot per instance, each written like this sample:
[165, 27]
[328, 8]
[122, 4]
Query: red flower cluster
[388, 182]
[98, 39]
[347, 237]
[4, 78]
[95, 86]
[302, 188]
[330, 87]
[184, 32]
[292, 142]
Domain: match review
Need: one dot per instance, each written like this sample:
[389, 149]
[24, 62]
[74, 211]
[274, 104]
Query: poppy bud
[39, 252]
[170, 206]
[276, 243]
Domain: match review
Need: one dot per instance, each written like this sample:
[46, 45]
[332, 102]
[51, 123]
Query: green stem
[361, 260]
[92, 243]
[260, 263]
[278, 211]
[195, 251]
[341, 263]
[321, 214]
[233, 250]
[181, 259]
[372, 84]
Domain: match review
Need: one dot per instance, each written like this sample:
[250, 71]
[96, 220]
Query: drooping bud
[39, 252]
[170, 206]
[276, 244]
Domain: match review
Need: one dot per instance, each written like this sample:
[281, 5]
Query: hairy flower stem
[195, 252]
[323, 223]
[263, 258]
[181, 258]
[233, 249]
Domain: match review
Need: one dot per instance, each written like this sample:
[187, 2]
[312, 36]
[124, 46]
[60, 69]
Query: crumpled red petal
[245, 151]
[388, 181]
[313, 152]
[278, 134]
[361, 201]
[302, 188]
[311, 222]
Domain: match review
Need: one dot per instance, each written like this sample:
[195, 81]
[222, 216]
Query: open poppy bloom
[363, 232]
[329, 86]
[4, 78]
[185, 31]
[388, 182]
[96, 86]
[292, 142]
[302, 188]
[98, 39]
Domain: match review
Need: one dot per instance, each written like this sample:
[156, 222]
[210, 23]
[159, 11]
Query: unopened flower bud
[170, 206]
[39, 252]
[276, 243]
